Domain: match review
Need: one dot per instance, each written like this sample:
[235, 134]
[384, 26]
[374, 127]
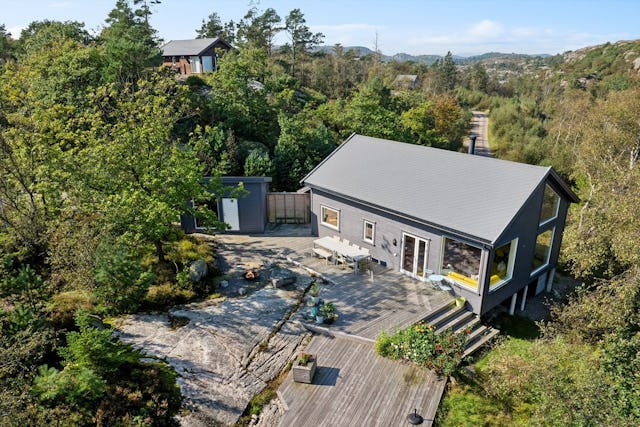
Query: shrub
[420, 344]
[188, 249]
[166, 294]
[120, 281]
[384, 344]
[63, 307]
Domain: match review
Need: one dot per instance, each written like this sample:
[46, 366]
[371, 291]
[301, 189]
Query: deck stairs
[448, 316]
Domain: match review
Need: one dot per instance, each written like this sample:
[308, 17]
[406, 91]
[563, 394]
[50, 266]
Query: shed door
[195, 65]
[207, 64]
[230, 213]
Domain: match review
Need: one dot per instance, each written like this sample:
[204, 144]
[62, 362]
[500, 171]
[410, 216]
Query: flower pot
[460, 302]
[304, 373]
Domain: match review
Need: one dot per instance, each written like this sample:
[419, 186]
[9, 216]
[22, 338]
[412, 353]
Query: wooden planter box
[304, 374]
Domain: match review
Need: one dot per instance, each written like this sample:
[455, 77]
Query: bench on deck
[323, 253]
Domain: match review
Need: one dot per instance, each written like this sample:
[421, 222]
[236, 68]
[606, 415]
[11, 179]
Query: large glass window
[550, 204]
[543, 250]
[369, 231]
[503, 261]
[461, 262]
[330, 217]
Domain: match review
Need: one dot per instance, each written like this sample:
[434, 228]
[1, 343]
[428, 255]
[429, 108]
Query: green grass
[466, 403]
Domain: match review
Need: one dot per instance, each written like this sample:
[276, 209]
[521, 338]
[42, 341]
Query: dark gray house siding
[251, 208]
[390, 229]
[434, 195]
[525, 227]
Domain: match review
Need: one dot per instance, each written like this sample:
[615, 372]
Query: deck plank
[354, 384]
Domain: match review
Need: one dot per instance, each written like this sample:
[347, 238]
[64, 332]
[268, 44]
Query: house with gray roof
[194, 56]
[490, 229]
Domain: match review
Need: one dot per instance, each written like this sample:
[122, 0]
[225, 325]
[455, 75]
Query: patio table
[347, 250]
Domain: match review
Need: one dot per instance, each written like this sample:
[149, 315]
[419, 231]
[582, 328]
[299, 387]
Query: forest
[100, 148]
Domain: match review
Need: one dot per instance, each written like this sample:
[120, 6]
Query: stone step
[480, 341]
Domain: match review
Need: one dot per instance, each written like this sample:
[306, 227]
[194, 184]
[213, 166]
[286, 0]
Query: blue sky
[463, 27]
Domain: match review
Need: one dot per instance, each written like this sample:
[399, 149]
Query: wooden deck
[367, 305]
[354, 386]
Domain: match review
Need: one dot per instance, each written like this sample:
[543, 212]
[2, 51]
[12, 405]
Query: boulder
[282, 277]
[197, 270]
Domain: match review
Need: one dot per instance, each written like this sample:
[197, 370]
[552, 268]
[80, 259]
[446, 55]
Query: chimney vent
[472, 144]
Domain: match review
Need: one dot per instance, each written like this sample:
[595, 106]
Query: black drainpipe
[472, 144]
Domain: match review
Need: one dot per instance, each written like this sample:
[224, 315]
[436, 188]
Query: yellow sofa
[471, 282]
[463, 279]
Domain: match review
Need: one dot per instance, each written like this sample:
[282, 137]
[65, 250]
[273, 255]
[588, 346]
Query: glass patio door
[414, 256]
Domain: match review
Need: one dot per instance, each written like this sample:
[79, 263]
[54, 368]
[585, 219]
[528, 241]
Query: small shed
[247, 214]
[194, 56]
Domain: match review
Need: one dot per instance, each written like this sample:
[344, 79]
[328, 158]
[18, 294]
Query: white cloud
[486, 29]
[16, 30]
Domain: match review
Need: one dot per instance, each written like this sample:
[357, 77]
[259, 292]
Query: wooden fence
[289, 208]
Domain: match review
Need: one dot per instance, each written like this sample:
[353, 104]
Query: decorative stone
[242, 291]
[197, 270]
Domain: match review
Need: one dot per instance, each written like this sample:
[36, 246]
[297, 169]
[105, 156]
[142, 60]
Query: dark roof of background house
[473, 195]
[189, 47]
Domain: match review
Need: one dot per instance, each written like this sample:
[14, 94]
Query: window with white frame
[503, 261]
[369, 232]
[541, 255]
[330, 217]
[550, 205]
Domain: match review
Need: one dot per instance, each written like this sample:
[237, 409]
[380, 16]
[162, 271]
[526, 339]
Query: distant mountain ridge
[430, 59]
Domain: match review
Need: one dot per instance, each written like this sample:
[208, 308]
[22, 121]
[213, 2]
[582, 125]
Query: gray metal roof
[473, 195]
[187, 47]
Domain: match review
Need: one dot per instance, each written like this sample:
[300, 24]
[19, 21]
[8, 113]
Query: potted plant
[328, 312]
[460, 302]
[315, 293]
[304, 367]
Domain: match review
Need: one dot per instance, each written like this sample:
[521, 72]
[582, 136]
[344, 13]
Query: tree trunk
[159, 251]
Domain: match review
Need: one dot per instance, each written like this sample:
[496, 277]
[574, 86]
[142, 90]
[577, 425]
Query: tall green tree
[447, 72]
[133, 171]
[601, 237]
[302, 40]
[130, 43]
[210, 28]
[304, 141]
[6, 45]
[242, 96]
[258, 30]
